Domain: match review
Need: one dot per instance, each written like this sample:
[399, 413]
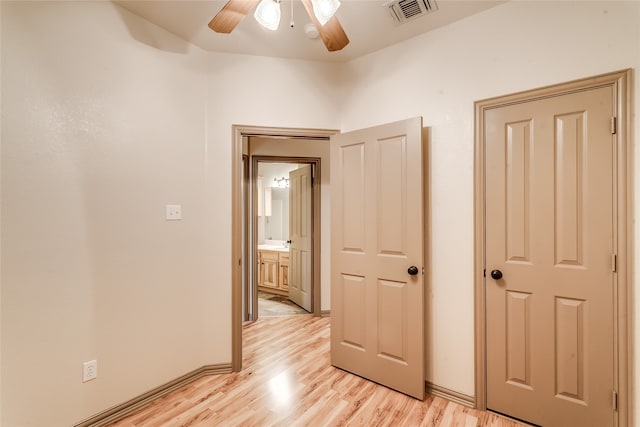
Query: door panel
[377, 229]
[518, 339]
[569, 352]
[391, 194]
[300, 230]
[549, 228]
[354, 320]
[392, 320]
[352, 162]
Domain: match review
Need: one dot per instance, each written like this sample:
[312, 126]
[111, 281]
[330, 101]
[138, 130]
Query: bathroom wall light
[281, 182]
[268, 14]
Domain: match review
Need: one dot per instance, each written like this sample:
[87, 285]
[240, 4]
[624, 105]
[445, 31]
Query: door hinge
[614, 125]
[614, 400]
[614, 262]
[484, 273]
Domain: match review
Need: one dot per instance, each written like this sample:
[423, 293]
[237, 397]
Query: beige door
[549, 233]
[300, 233]
[376, 239]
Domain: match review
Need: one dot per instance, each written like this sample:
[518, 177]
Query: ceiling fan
[328, 26]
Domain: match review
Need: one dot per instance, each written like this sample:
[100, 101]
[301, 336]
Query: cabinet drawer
[268, 256]
[283, 257]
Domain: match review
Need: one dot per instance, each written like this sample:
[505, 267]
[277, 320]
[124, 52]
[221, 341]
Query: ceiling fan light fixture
[325, 9]
[268, 14]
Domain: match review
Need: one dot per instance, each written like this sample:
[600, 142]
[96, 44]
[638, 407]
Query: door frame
[252, 286]
[620, 81]
[238, 218]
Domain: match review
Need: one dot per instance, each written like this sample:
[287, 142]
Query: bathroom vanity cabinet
[273, 271]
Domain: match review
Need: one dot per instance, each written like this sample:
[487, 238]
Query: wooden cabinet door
[283, 277]
[269, 269]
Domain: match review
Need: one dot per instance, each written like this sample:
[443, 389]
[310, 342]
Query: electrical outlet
[174, 212]
[89, 370]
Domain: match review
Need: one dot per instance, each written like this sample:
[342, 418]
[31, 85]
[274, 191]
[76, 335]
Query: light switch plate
[89, 370]
[174, 212]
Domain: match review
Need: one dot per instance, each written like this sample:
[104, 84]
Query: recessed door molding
[623, 205]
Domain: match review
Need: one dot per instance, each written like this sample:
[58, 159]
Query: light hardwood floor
[287, 380]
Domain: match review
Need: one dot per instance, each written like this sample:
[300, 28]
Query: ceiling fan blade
[332, 33]
[230, 15]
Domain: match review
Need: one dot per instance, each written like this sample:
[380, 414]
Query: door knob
[413, 270]
[496, 274]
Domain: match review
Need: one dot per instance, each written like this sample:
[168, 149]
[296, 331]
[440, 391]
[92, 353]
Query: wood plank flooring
[287, 380]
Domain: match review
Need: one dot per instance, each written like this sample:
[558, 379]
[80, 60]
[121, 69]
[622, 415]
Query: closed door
[549, 203]
[300, 234]
[377, 255]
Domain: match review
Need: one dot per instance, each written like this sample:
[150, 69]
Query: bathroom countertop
[276, 248]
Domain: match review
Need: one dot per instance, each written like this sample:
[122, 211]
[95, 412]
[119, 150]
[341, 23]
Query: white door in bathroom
[300, 234]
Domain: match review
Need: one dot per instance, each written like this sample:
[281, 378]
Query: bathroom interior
[273, 239]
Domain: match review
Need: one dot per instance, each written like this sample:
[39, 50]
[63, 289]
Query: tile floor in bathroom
[276, 305]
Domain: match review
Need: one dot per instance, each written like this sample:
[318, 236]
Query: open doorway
[282, 245]
[285, 143]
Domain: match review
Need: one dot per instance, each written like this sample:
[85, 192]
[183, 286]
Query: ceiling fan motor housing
[311, 31]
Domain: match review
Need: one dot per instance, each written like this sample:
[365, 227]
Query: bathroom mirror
[277, 225]
[273, 220]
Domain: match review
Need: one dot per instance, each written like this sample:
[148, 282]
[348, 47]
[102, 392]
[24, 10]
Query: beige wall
[513, 47]
[106, 118]
[99, 132]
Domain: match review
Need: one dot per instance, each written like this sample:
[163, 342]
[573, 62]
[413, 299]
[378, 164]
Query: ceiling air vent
[407, 10]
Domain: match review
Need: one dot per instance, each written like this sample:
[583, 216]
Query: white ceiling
[367, 23]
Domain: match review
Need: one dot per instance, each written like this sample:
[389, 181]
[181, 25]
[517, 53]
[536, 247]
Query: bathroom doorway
[283, 230]
[297, 275]
[282, 144]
